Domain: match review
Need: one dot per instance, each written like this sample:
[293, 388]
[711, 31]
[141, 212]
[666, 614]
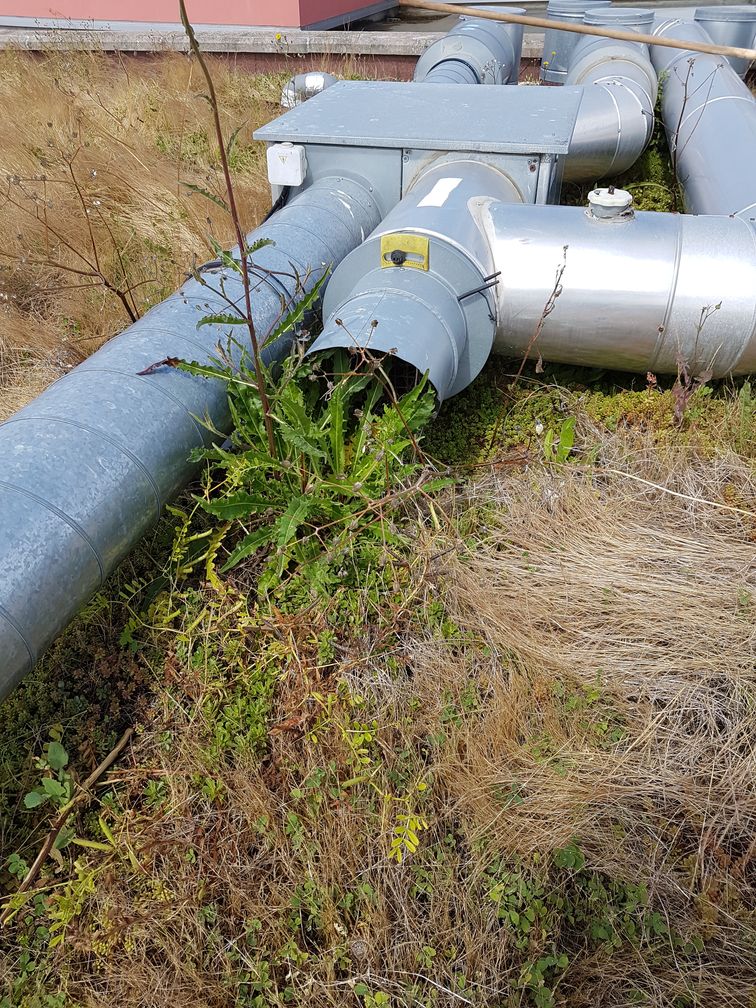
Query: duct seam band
[155, 385]
[67, 519]
[202, 348]
[700, 109]
[276, 285]
[618, 146]
[669, 308]
[12, 623]
[111, 441]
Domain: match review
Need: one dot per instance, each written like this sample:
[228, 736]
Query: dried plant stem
[548, 308]
[240, 238]
[63, 816]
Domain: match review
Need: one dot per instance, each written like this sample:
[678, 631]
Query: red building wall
[276, 13]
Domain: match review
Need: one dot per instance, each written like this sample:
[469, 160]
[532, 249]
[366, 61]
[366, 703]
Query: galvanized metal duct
[474, 51]
[558, 45]
[733, 25]
[88, 466]
[616, 116]
[420, 286]
[639, 291]
[710, 120]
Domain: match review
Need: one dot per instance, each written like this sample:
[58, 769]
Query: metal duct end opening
[304, 86]
[395, 376]
[491, 51]
[412, 317]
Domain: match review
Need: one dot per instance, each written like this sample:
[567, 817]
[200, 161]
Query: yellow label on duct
[405, 250]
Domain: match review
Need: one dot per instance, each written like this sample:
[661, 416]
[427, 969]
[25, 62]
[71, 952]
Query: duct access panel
[389, 132]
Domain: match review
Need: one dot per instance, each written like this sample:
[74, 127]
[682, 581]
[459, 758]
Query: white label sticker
[440, 192]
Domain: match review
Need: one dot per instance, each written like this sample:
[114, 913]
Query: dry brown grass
[566, 661]
[586, 676]
[93, 156]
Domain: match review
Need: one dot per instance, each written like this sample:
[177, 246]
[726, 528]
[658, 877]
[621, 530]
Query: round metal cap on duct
[610, 204]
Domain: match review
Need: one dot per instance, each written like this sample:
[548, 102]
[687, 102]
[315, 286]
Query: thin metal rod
[581, 29]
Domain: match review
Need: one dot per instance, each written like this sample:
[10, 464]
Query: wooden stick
[581, 29]
[61, 820]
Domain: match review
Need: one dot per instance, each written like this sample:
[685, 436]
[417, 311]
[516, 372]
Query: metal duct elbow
[710, 120]
[490, 50]
[86, 468]
[639, 291]
[616, 117]
[305, 85]
[421, 287]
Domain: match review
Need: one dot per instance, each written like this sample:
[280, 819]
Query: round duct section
[639, 291]
[557, 44]
[489, 50]
[732, 26]
[422, 286]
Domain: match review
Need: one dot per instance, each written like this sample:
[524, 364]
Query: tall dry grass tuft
[97, 221]
[571, 711]
[607, 583]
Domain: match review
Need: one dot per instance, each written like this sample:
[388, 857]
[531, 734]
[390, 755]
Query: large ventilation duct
[710, 120]
[424, 276]
[475, 51]
[639, 291]
[465, 261]
[87, 467]
[615, 120]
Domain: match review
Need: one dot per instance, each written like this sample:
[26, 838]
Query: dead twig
[548, 308]
[78, 799]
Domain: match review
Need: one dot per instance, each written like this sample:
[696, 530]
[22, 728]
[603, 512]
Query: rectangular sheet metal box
[388, 131]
